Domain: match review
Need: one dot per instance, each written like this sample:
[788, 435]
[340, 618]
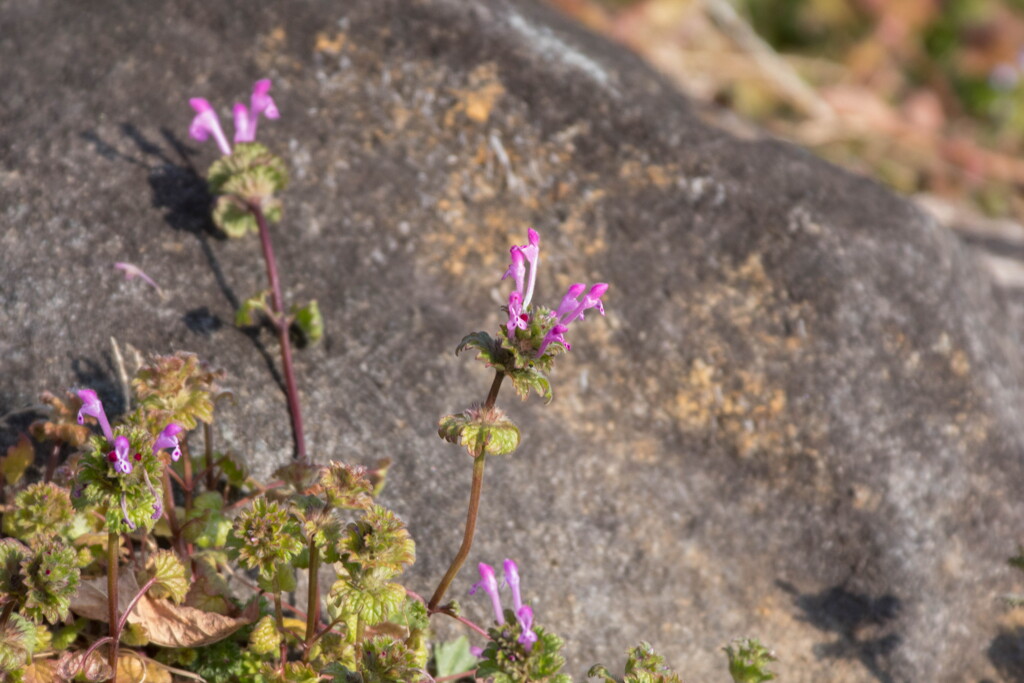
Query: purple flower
[92, 407]
[119, 457]
[260, 102]
[526, 257]
[131, 271]
[512, 581]
[516, 317]
[489, 583]
[524, 615]
[168, 438]
[207, 123]
[528, 253]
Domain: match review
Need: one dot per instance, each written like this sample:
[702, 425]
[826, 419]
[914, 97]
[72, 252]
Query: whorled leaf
[748, 661]
[488, 349]
[378, 542]
[265, 639]
[178, 388]
[17, 642]
[531, 379]
[347, 487]
[264, 535]
[51, 577]
[18, 458]
[41, 510]
[480, 431]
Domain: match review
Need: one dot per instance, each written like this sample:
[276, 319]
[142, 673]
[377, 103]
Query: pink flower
[92, 407]
[168, 438]
[207, 123]
[489, 584]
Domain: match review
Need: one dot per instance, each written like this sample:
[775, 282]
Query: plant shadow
[862, 625]
[181, 192]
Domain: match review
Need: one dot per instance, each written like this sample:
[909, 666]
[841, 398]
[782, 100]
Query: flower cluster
[121, 457]
[524, 613]
[207, 123]
[523, 271]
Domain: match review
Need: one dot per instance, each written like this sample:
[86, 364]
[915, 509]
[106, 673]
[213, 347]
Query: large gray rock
[798, 420]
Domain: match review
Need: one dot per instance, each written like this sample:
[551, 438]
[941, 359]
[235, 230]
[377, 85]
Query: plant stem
[113, 545]
[467, 537]
[187, 470]
[313, 601]
[6, 614]
[211, 483]
[281, 324]
[172, 514]
[131, 605]
[474, 506]
[492, 395]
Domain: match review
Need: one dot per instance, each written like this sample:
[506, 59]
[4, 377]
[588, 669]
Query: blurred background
[923, 95]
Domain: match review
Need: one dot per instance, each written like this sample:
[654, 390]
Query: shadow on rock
[860, 621]
[1007, 654]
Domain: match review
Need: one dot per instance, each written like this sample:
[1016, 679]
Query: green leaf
[234, 468]
[257, 303]
[480, 431]
[265, 639]
[453, 657]
[488, 349]
[171, 581]
[748, 661]
[309, 321]
[17, 641]
[18, 458]
[525, 379]
[374, 604]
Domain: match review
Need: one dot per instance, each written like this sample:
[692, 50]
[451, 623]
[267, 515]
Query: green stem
[313, 601]
[492, 395]
[113, 545]
[467, 537]
[172, 515]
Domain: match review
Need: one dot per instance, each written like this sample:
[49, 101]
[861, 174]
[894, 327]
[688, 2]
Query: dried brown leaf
[134, 668]
[91, 600]
[170, 625]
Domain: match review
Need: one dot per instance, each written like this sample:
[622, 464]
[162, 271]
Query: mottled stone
[798, 421]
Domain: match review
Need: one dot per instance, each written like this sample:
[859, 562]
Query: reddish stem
[281, 324]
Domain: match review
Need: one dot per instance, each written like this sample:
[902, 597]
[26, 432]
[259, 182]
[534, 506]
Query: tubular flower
[524, 615]
[523, 271]
[168, 438]
[207, 123]
[92, 407]
[489, 584]
[511, 580]
[119, 457]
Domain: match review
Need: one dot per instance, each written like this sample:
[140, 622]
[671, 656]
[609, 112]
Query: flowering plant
[134, 559]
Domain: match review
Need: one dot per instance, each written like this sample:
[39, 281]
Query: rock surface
[798, 421]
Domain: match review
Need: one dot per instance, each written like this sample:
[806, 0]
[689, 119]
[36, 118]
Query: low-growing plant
[132, 559]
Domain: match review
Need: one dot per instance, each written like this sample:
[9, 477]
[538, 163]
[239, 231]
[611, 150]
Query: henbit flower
[524, 615]
[207, 123]
[521, 255]
[489, 583]
[119, 456]
[132, 271]
[168, 438]
[516, 317]
[570, 309]
[246, 119]
[92, 407]
[512, 581]
[591, 300]
[555, 334]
